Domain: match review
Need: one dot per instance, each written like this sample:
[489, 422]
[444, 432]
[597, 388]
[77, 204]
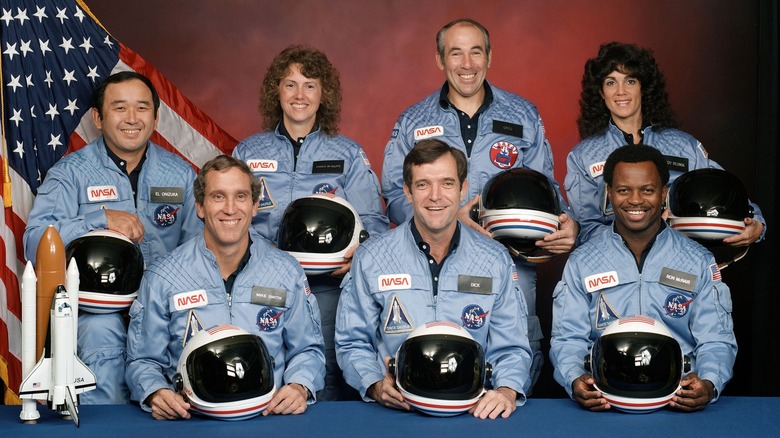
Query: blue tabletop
[730, 416]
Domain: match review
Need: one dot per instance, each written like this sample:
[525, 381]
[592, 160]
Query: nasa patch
[473, 317]
[398, 320]
[102, 193]
[190, 299]
[596, 169]
[676, 305]
[323, 188]
[262, 165]
[165, 215]
[394, 134]
[268, 319]
[265, 200]
[503, 154]
[428, 132]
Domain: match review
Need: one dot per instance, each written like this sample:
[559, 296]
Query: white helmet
[318, 230]
[519, 207]
[440, 369]
[637, 365]
[226, 373]
[110, 270]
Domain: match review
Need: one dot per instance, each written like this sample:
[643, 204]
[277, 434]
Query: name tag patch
[268, 296]
[329, 166]
[166, 195]
[678, 279]
[394, 282]
[475, 285]
[600, 281]
[679, 164]
[190, 300]
[102, 193]
[507, 128]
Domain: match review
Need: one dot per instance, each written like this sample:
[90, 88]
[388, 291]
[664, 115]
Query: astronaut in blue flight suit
[301, 153]
[431, 268]
[624, 101]
[640, 266]
[232, 276]
[496, 130]
[121, 182]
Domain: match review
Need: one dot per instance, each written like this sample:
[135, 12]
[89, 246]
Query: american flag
[52, 54]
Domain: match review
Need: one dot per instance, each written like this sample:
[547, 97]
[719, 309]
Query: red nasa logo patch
[503, 154]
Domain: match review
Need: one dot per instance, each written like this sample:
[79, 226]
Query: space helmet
[110, 270]
[318, 230]
[709, 205]
[226, 373]
[519, 207]
[637, 365]
[440, 369]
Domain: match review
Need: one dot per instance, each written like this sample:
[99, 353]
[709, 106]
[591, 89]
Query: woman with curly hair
[300, 153]
[624, 101]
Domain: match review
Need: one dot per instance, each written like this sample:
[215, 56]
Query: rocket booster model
[59, 375]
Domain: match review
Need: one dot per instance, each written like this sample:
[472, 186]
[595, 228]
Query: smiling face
[435, 196]
[300, 98]
[622, 95]
[128, 117]
[227, 209]
[637, 195]
[465, 63]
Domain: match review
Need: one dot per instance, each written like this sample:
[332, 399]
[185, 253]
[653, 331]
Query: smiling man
[433, 269]
[247, 283]
[495, 129]
[121, 182]
[650, 269]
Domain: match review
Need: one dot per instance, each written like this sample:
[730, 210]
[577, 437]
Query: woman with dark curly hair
[300, 153]
[624, 101]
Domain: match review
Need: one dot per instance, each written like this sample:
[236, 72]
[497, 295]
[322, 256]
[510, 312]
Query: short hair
[315, 65]
[468, 21]
[222, 163]
[99, 93]
[429, 150]
[636, 153]
[633, 61]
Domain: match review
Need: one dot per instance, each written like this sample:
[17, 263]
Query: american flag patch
[715, 272]
[514, 276]
[306, 287]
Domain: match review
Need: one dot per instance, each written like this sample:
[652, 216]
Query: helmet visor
[637, 364]
[316, 226]
[231, 369]
[443, 367]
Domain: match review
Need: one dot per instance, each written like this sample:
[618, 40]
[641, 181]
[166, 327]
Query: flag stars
[72, 108]
[25, 48]
[86, 45]
[40, 13]
[7, 17]
[44, 47]
[107, 41]
[61, 15]
[15, 82]
[10, 50]
[48, 79]
[70, 76]
[19, 149]
[21, 15]
[17, 117]
[29, 81]
[55, 141]
[66, 44]
[79, 14]
[93, 74]
[52, 112]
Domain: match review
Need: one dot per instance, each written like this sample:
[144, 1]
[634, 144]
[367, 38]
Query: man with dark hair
[495, 129]
[651, 270]
[448, 272]
[121, 182]
[238, 279]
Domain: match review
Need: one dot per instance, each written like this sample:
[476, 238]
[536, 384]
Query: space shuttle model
[50, 305]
